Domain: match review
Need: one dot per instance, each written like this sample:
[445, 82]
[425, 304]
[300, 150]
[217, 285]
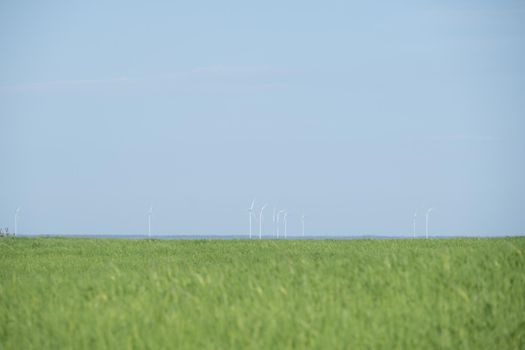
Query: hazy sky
[355, 113]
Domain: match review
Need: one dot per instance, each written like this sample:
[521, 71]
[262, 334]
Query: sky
[355, 113]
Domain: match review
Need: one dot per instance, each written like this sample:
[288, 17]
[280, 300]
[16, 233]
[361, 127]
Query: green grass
[60, 293]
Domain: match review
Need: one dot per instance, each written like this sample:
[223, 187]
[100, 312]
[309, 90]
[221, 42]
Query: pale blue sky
[355, 113]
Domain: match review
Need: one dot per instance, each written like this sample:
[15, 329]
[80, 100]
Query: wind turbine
[302, 222]
[414, 225]
[150, 213]
[260, 220]
[285, 224]
[17, 211]
[427, 215]
[250, 213]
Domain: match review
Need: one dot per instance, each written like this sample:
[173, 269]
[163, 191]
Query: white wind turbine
[150, 213]
[414, 225]
[426, 221]
[250, 213]
[261, 221]
[17, 212]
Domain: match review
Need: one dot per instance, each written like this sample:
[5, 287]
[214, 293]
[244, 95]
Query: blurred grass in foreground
[238, 294]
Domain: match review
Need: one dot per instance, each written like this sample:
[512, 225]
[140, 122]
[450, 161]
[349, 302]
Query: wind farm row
[276, 221]
[277, 214]
[279, 222]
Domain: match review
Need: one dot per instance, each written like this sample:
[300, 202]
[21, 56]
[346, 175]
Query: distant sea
[255, 237]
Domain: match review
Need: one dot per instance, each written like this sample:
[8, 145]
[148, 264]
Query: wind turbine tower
[279, 222]
[261, 221]
[426, 220]
[250, 213]
[16, 220]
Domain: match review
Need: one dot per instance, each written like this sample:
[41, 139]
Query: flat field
[58, 293]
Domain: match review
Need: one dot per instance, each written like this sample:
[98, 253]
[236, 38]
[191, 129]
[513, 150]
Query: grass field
[390, 294]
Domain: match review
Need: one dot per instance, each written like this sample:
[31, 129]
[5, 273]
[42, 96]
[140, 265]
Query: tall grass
[390, 294]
